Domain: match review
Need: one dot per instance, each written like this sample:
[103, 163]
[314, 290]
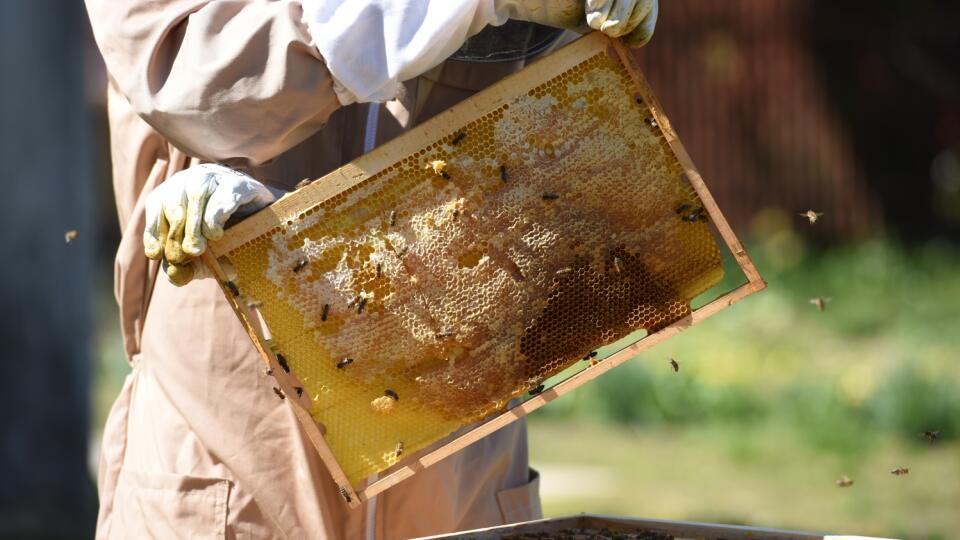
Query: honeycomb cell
[452, 296]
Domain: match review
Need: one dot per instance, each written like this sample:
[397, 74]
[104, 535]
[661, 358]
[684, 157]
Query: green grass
[759, 474]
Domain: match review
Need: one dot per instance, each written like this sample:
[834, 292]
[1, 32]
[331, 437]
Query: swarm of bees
[70, 235]
[820, 302]
[812, 216]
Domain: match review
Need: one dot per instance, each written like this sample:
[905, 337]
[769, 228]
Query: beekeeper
[197, 444]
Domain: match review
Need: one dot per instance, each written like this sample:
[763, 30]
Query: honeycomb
[427, 296]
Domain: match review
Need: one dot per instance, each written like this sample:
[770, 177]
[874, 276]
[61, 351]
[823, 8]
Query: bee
[391, 394]
[344, 363]
[362, 304]
[812, 216]
[675, 365]
[564, 270]
[536, 390]
[844, 481]
[445, 335]
[616, 264]
[900, 471]
[267, 371]
[345, 494]
[283, 362]
[445, 175]
[651, 121]
[301, 264]
[302, 184]
[820, 302]
[503, 173]
[398, 451]
[325, 312]
[379, 270]
[279, 393]
[353, 302]
[931, 436]
[393, 218]
[682, 208]
[254, 304]
[70, 235]
[299, 390]
[459, 138]
[638, 99]
[550, 196]
[233, 288]
[695, 215]
[589, 356]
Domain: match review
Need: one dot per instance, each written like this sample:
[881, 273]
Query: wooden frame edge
[301, 405]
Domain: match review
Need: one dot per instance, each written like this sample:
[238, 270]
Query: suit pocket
[161, 505]
[521, 503]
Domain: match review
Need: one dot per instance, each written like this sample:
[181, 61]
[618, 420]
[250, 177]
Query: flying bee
[70, 235]
[279, 393]
[283, 362]
[675, 365]
[459, 138]
[682, 208]
[844, 481]
[900, 471]
[344, 363]
[812, 216]
[325, 312]
[398, 451]
[345, 494]
[233, 288]
[393, 218]
[820, 302]
[536, 390]
[931, 436]
[589, 356]
[301, 264]
[391, 394]
[503, 173]
[550, 196]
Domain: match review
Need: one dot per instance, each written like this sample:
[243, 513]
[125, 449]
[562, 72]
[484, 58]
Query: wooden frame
[680, 529]
[370, 164]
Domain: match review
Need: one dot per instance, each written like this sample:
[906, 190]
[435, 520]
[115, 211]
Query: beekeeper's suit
[197, 444]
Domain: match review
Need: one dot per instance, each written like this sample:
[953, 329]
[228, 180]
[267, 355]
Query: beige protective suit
[197, 444]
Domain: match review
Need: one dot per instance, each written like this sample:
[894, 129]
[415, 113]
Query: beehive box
[597, 527]
[424, 287]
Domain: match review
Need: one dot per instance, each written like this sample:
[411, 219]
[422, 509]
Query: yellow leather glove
[192, 207]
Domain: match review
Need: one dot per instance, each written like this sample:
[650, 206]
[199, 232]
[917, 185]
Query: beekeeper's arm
[230, 79]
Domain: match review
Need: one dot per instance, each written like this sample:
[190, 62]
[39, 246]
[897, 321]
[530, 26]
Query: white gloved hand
[632, 20]
[191, 207]
[371, 46]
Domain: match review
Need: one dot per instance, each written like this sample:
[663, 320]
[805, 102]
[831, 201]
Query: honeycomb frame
[344, 181]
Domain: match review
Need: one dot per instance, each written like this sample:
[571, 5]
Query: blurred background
[851, 109]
